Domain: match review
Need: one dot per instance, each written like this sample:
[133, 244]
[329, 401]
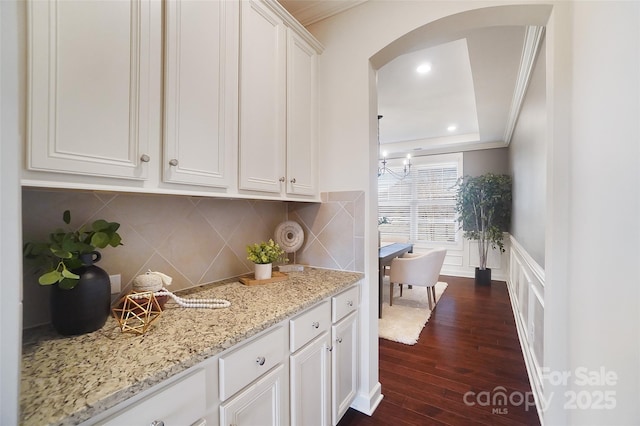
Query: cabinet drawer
[344, 303]
[181, 402]
[251, 360]
[308, 325]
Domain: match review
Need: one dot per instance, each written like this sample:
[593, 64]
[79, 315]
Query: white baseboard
[367, 404]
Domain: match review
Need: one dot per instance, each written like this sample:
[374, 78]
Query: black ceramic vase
[483, 276]
[84, 308]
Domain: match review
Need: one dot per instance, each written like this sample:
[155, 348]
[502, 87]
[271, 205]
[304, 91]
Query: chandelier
[382, 167]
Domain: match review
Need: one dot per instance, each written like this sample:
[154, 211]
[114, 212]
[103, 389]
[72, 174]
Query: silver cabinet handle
[260, 360]
[145, 158]
[173, 162]
[315, 324]
[157, 423]
[339, 340]
[282, 179]
[293, 180]
[350, 303]
[330, 348]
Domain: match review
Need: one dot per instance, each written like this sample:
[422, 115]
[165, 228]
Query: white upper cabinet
[262, 98]
[301, 116]
[197, 97]
[277, 140]
[201, 92]
[88, 91]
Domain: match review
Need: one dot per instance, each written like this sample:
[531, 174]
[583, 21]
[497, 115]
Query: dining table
[386, 254]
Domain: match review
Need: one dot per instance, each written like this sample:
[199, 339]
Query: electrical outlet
[115, 283]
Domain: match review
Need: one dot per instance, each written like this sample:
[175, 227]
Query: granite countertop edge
[89, 409]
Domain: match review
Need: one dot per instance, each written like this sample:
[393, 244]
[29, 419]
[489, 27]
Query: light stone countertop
[67, 380]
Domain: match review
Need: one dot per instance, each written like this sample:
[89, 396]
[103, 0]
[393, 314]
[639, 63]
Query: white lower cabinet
[301, 371]
[310, 370]
[311, 383]
[180, 403]
[324, 373]
[262, 403]
[344, 356]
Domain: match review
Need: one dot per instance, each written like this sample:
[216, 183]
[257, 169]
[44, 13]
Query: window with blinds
[421, 207]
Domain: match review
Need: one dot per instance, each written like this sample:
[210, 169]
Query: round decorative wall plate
[289, 236]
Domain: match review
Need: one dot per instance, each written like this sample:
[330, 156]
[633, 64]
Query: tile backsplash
[194, 240]
[334, 231]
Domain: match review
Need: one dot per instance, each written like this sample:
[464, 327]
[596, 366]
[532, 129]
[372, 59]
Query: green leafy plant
[265, 252]
[483, 204]
[65, 249]
[384, 220]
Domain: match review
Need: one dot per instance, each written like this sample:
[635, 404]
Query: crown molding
[532, 40]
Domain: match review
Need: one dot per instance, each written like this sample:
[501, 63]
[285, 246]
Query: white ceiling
[475, 83]
[308, 12]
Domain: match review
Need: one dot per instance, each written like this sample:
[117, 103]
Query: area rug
[404, 321]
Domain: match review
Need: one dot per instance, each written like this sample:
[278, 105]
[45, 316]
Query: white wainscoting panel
[462, 259]
[526, 290]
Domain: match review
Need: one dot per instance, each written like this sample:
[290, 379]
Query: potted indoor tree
[263, 255]
[80, 291]
[483, 204]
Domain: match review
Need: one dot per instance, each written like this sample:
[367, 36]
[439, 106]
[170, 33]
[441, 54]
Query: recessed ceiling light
[451, 128]
[423, 68]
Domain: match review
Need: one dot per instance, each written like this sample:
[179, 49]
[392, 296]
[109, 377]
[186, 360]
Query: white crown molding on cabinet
[532, 39]
[292, 22]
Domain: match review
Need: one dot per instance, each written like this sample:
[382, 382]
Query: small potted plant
[483, 204]
[263, 255]
[80, 291]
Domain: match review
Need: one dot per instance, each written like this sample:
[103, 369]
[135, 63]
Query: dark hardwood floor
[467, 358]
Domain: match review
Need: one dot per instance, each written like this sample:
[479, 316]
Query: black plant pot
[86, 307]
[483, 276]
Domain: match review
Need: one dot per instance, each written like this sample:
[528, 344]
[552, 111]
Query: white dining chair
[417, 269]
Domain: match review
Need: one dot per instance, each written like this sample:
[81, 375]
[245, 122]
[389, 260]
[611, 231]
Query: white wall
[348, 116]
[604, 309]
[10, 240]
[591, 290]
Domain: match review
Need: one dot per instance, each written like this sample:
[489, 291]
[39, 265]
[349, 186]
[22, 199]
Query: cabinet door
[262, 98]
[201, 92]
[344, 357]
[88, 78]
[310, 378]
[262, 403]
[301, 116]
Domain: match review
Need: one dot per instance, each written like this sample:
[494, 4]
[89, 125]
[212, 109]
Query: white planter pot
[263, 271]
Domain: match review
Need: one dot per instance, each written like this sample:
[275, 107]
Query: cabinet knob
[349, 303]
[173, 162]
[145, 158]
[339, 339]
[315, 324]
[330, 348]
[260, 360]
[293, 180]
[282, 179]
[157, 423]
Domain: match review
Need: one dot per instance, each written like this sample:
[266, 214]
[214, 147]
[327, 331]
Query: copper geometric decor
[136, 311]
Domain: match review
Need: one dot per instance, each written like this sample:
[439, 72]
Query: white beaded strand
[187, 303]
